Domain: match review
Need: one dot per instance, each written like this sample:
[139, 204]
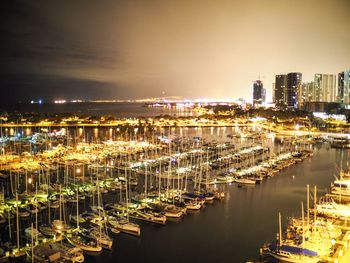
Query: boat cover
[294, 250]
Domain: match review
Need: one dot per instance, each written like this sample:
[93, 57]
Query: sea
[118, 109]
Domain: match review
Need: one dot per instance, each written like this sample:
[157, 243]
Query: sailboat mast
[303, 221]
[17, 221]
[159, 177]
[77, 208]
[308, 205]
[36, 214]
[60, 203]
[279, 229]
[315, 210]
[32, 244]
[126, 195]
[146, 179]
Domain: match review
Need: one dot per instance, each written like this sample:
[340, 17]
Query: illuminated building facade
[344, 87]
[324, 88]
[259, 93]
[279, 90]
[293, 86]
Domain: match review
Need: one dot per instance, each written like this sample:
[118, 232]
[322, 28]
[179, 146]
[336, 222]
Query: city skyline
[192, 49]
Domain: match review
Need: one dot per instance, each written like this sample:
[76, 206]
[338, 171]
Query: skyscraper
[302, 94]
[344, 87]
[279, 90]
[340, 96]
[309, 91]
[259, 92]
[293, 85]
[347, 86]
[325, 87]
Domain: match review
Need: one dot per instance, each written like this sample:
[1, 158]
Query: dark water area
[119, 109]
[234, 229]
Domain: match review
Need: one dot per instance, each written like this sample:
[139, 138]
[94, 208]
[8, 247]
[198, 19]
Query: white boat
[68, 253]
[292, 254]
[341, 188]
[193, 205]
[173, 211]
[153, 217]
[104, 240]
[245, 181]
[304, 242]
[332, 209]
[124, 226]
[87, 244]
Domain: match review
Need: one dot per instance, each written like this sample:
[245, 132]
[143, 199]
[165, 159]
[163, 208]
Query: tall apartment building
[293, 86]
[344, 87]
[325, 88]
[309, 91]
[259, 93]
[279, 90]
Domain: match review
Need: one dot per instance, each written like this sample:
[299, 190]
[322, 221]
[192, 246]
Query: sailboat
[77, 237]
[288, 252]
[123, 224]
[86, 243]
[244, 181]
[304, 242]
[68, 253]
[102, 237]
[100, 232]
[17, 253]
[193, 205]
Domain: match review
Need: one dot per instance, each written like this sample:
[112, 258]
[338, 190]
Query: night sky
[137, 49]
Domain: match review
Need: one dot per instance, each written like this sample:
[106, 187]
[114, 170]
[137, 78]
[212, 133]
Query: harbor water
[118, 109]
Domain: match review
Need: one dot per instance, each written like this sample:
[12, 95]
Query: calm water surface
[118, 109]
[232, 230]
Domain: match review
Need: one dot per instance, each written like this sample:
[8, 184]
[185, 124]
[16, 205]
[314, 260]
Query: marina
[90, 191]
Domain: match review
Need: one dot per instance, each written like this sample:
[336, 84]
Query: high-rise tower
[279, 90]
[293, 85]
[259, 92]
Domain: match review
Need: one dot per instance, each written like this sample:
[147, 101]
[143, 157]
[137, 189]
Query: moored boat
[87, 244]
[124, 226]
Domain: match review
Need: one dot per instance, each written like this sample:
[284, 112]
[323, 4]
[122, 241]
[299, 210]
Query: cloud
[190, 48]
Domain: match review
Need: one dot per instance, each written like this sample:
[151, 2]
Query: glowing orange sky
[188, 48]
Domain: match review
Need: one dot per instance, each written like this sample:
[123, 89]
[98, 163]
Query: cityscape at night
[175, 131]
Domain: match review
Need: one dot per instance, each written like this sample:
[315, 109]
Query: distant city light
[36, 102]
[59, 101]
[324, 116]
